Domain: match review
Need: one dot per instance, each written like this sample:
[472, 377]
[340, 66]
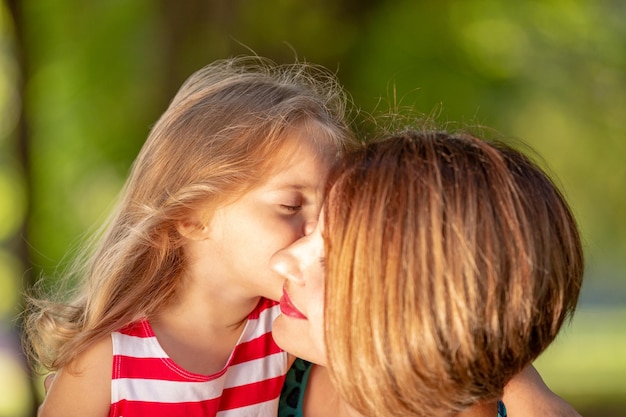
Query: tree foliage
[81, 82]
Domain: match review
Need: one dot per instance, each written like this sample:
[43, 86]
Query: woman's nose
[284, 263]
[309, 227]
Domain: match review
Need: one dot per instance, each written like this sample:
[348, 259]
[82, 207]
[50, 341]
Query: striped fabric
[146, 382]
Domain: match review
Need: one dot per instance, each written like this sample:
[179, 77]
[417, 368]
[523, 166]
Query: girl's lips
[288, 309]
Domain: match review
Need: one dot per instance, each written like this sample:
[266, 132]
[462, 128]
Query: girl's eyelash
[322, 261]
[291, 208]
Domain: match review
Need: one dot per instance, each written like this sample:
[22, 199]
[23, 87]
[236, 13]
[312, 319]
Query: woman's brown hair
[452, 263]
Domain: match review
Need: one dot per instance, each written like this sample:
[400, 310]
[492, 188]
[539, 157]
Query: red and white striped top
[146, 382]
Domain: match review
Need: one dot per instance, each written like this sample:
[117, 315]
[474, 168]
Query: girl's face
[233, 257]
[300, 328]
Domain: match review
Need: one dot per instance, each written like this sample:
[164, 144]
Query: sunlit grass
[587, 363]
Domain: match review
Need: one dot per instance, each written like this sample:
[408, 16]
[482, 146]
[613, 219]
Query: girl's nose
[284, 263]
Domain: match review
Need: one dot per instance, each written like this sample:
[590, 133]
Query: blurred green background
[82, 81]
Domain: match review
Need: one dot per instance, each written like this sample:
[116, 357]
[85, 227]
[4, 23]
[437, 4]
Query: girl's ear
[193, 229]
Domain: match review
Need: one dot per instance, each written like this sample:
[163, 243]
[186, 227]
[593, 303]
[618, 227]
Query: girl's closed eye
[291, 203]
[291, 208]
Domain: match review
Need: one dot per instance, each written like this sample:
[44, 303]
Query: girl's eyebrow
[294, 186]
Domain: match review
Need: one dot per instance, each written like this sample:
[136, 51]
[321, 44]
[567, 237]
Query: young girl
[172, 315]
[451, 263]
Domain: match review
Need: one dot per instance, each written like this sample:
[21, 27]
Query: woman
[451, 264]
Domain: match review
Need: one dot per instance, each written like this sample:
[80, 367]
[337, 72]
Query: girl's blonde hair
[452, 263]
[222, 134]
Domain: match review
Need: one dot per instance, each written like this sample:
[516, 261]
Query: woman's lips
[288, 309]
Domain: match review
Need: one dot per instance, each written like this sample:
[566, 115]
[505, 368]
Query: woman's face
[300, 328]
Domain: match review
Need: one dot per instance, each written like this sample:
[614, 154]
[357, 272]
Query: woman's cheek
[316, 320]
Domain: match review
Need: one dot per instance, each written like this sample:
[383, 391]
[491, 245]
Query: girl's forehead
[301, 145]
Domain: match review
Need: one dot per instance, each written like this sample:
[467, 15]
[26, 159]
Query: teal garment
[292, 395]
[501, 409]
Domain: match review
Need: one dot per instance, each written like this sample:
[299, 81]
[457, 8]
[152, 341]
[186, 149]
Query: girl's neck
[199, 330]
[209, 306]
[196, 339]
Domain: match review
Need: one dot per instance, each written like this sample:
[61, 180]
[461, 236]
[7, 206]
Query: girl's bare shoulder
[83, 388]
